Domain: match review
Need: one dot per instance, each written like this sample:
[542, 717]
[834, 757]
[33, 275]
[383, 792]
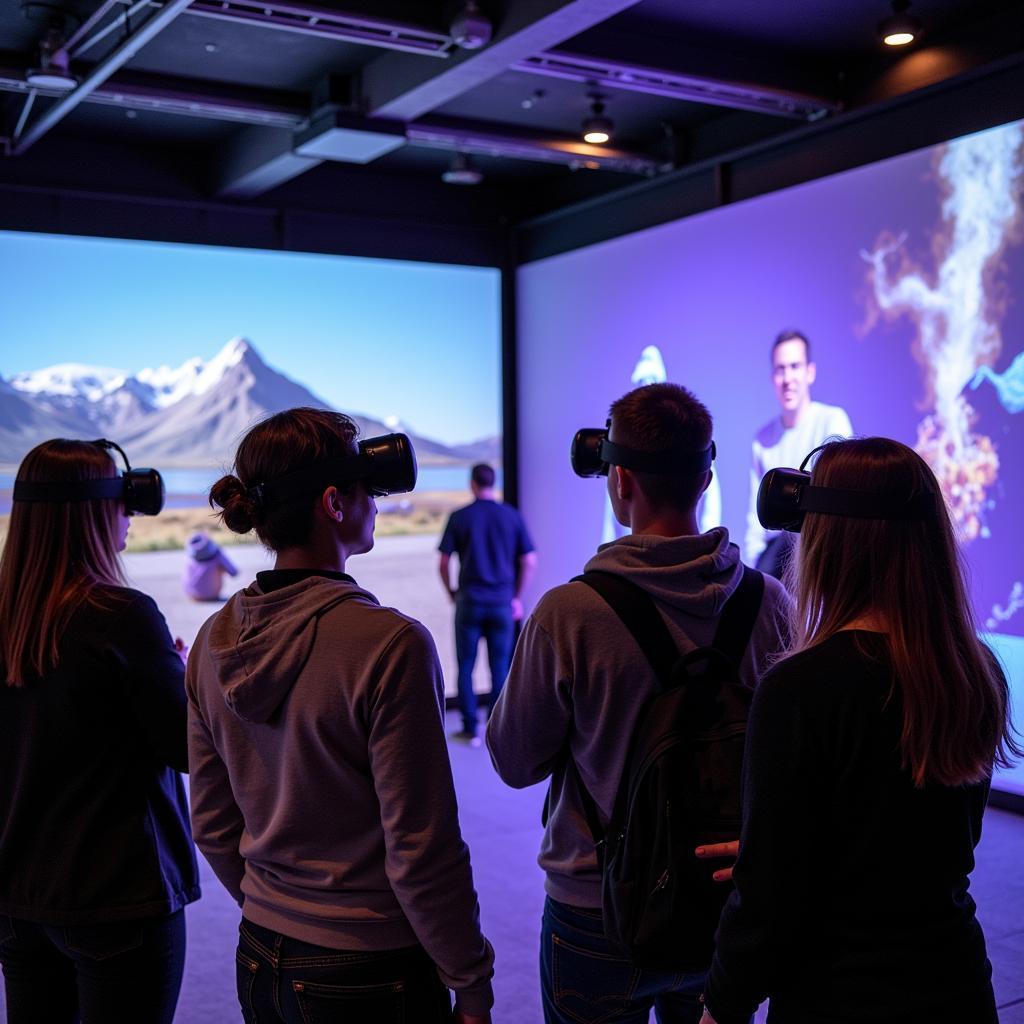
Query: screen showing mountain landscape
[174, 351]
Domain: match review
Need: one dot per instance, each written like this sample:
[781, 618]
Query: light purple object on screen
[204, 566]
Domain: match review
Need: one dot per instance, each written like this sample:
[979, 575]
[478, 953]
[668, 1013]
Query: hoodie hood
[695, 574]
[259, 642]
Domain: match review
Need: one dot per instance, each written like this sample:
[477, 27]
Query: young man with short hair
[579, 683]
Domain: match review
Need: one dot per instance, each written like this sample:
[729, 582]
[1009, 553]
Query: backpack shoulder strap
[739, 615]
[638, 613]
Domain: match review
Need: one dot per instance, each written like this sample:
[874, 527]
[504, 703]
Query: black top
[93, 819]
[275, 579]
[490, 538]
[851, 900]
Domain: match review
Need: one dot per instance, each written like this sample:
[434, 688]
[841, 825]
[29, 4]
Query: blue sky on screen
[413, 340]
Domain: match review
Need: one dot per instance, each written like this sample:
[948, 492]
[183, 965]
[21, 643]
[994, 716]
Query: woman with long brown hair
[96, 863]
[869, 754]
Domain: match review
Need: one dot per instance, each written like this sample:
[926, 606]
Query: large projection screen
[907, 276]
[174, 351]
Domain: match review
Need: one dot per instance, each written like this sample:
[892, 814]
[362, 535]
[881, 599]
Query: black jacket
[851, 900]
[93, 818]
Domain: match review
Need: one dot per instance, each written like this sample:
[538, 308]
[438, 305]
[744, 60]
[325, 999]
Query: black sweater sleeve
[154, 679]
[775, 853]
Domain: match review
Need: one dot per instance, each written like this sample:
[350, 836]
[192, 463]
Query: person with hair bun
[321, 790]
[96, 861]
[869, 754]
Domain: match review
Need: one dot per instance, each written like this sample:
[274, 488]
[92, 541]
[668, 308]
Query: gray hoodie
[578, 683]
[321, 789]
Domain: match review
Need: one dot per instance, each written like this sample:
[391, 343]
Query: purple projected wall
[905, 275]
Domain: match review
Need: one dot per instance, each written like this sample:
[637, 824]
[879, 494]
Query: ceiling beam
[156, 22]
[326, 23]
[401, 88]
[210, 101]
[521, 144]
[258, 160]
[693, 87]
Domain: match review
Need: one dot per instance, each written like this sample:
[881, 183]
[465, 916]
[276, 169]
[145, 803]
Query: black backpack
[681, 787]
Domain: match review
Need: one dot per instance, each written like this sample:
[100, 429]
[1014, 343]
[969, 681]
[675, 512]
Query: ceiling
[363, 106]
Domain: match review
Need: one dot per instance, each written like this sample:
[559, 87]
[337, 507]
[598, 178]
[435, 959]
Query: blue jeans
[285, 981]
[493, 622]
[583, 982]
[96, 974]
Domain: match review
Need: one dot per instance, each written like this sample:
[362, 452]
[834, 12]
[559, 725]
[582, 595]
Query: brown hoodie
[321, 789]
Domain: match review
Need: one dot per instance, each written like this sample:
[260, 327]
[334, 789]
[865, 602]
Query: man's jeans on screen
[97, 973]
[284, 981]
[583, 981]
[492, 621]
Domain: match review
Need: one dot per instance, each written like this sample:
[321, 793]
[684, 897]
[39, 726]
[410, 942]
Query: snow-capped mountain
[191, 415]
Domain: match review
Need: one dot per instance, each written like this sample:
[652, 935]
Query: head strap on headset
[592, 453]
[141, 490]
[385, 464]
[667, 462]
[787, 495]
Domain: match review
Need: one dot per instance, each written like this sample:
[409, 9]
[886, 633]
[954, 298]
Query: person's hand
[517, 609]
[712, 850]
[182, 648]
[470, 1018]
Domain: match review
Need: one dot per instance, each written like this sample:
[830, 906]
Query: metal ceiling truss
[676, 85]
[165, 99]
[325, 23]
[485, 140]
[100, 72]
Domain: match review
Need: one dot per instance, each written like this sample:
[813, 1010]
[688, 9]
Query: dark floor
[502, 827]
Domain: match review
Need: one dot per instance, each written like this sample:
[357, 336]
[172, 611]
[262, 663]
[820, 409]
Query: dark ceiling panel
[248, 54]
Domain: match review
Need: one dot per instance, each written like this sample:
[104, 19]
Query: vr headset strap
[864, 504]
[74, 490]
[668, 462]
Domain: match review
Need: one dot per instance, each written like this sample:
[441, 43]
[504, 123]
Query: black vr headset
[386, 465]
[786, 496]
[592, 453]
[141, 490]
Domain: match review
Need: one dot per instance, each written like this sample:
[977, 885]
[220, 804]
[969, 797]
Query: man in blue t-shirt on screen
[496, 558]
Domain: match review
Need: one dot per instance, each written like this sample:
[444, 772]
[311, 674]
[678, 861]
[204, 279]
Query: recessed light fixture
[462, 172]
[900, 28]
[210, 47]
[53, 71]
[597, 129]
[471, 28]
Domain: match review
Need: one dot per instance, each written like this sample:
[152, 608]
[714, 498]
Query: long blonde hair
[56, 555]
[908, 574]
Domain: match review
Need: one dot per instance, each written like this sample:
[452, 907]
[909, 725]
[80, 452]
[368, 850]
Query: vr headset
[140, 490]
[592, 453]
[386, 465]
[786, 496]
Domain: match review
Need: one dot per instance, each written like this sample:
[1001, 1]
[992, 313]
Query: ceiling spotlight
[462, 172]
[471, 28]
[900, 28]
[597, 129]
[53, 72]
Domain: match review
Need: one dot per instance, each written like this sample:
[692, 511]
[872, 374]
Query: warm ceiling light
[900, 28]
[597, 129]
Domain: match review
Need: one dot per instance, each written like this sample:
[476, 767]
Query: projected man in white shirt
[786, 439]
